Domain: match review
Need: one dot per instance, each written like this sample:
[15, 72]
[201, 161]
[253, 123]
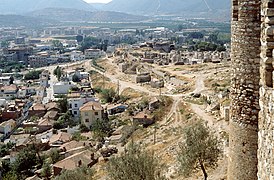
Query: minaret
[245, 56]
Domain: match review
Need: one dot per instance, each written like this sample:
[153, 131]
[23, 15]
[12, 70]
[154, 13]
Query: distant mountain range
[18, 20]
[139, 7]
[171, 7]
[52, 11]
[62, 14]
[24, 6]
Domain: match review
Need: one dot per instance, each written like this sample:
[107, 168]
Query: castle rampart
[245, 56]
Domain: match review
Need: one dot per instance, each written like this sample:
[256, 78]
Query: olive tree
[199, 151]
[46, 170]
[80, 173]
[135, 164]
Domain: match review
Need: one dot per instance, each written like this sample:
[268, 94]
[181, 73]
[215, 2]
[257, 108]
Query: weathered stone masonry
[251, 152]
[266, 118]
[245, 55]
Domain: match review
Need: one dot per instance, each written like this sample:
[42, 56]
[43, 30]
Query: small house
[58, 139]
[44, 125]
[7, 126]
[37, 109]
[84, 158]
[91, 112]
[115, 109]
[143, 119]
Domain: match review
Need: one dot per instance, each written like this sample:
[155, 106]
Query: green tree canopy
[108, 95]
[58, 72]
[54, 155]
[63, 104]
[32, 75]
[75, 78]
[46, 170]
[195, 35]
[55, 70]
[201, 150]
[82, 173]
[4, 149]
[11, 80]
[64, 121]
[57, 44]
[136, 164]
[213, 37]
[5, 44]
[11, 175]
[25, 161]
[89, 42]
[101, 128]
[79, 38]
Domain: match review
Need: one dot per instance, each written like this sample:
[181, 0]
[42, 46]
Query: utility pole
[161, 88]
[154, 135]
[118, 88]
[160, 92]
[104, 80]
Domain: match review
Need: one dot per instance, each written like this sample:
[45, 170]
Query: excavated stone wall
[266, 117]
[245, 56]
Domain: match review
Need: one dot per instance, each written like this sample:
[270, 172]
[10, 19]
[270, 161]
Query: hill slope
[150, 7]
[23, 6]
[30, 22]
[62, 14]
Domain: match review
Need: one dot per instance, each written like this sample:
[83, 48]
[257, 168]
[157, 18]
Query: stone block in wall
[270, 45]
[266, 59]
[269, 12]
[269, 31]
[269, 20]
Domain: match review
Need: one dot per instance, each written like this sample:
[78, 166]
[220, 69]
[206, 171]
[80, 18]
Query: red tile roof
[91, 106]
[72, 162]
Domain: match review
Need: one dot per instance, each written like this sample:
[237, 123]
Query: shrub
[81, 173]
[135, 164]
[33, 75]
[199, 151]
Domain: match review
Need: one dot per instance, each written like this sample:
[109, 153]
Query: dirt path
[123, 84]
[197, 109]
[200, 85]
[175, 109]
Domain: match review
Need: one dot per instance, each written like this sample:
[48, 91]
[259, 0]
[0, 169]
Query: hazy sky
[97, 1]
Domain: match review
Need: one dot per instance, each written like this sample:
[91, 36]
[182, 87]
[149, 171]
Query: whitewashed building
[8, 92]
[7, 126]
[62, 87]
[5, 80]
[77, 56]
[76, 101]
[94, 53]
[40, 91]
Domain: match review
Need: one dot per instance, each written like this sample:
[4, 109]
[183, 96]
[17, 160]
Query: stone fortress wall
[266, 118]
[252, 110]
[245, 57]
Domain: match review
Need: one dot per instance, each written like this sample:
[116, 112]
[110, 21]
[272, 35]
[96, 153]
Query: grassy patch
[165, 105]
[131, 93]
[198, 101]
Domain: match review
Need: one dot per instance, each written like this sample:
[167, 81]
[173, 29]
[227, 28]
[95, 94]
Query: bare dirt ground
[168, 132]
